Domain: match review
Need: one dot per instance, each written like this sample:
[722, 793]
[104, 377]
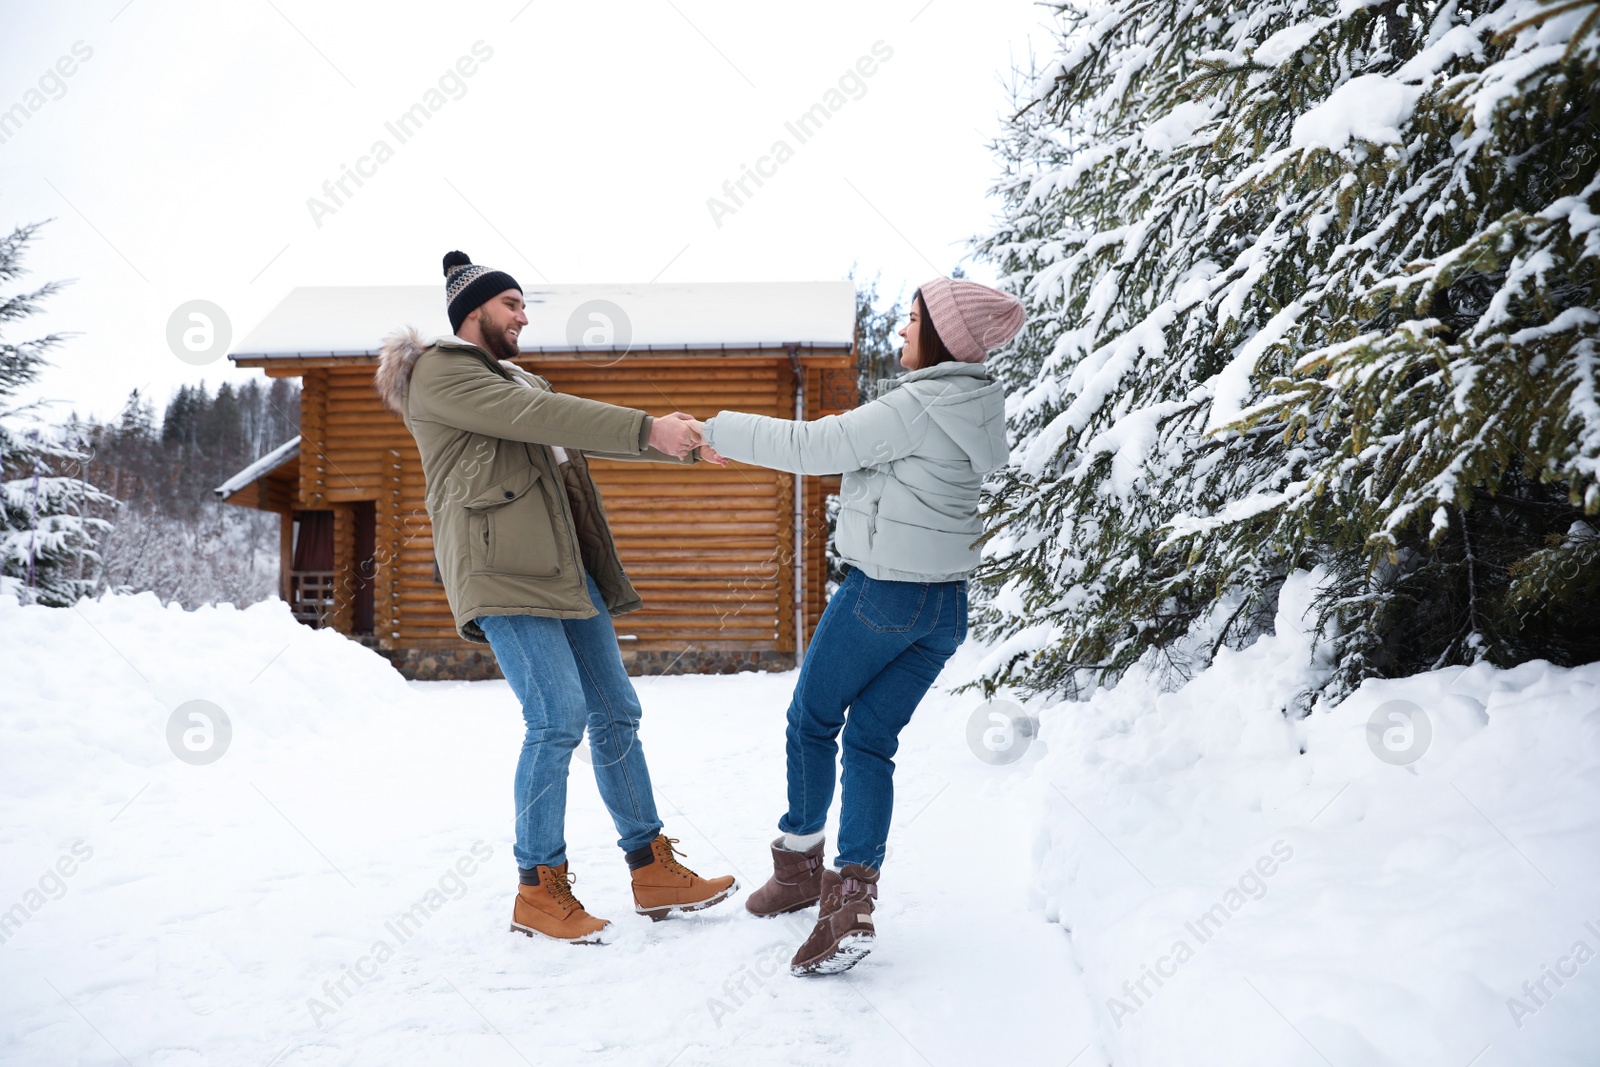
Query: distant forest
[169, 532]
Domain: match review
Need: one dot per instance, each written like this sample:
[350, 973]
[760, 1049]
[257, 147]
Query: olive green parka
[513, 531]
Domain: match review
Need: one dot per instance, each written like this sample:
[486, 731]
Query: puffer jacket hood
[964, 401]
[397, 358]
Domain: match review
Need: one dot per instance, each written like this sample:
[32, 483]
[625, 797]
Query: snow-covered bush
[224, 555]
[1309, 283]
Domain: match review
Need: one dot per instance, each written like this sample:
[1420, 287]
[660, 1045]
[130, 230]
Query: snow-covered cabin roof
[322, 321]
[265, 465]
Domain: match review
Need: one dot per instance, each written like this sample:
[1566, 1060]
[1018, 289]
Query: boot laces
[668, 857]
[561, 889]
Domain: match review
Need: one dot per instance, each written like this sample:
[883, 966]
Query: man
[529, 566]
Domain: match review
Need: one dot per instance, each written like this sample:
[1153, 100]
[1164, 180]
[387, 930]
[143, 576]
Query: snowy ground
[1162, 879]
[1244, 887]
[216, 901]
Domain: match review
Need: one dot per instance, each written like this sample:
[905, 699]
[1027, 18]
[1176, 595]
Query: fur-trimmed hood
[397, 358]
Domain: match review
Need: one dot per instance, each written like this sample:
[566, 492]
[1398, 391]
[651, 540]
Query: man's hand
[677, 434]
[707, 453]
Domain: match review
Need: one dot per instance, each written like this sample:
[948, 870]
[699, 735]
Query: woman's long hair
[931, 350]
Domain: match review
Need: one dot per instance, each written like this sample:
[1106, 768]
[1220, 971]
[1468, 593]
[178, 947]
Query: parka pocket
[510, 529]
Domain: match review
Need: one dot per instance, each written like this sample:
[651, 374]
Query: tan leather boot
[844, 932]
[665, 887]
[550, 910]
[796, 882]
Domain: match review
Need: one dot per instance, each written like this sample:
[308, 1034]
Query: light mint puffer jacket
[913, 461]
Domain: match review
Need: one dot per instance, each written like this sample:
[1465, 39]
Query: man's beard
[494, 339]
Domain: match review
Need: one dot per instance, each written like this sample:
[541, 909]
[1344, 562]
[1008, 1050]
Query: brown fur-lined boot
[844, 932]
[796, 882]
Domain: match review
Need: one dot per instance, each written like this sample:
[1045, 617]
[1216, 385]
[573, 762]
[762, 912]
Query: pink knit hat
[971, 318]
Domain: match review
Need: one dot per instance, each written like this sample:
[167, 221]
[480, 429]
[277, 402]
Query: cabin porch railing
[311, 597]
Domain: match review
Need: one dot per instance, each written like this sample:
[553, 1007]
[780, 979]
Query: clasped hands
[679, 434]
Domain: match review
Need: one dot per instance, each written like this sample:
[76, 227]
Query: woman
[913, 461]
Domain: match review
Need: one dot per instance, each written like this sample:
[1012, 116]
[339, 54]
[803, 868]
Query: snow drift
[1351, 887]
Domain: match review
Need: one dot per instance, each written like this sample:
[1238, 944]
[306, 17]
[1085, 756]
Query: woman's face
[908, 333]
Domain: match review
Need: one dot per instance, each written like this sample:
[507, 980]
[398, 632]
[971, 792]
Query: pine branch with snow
[1309, 284]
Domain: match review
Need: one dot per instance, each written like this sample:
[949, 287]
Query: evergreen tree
[1310, 284]
[46, 533]
[877, 343]
[137, 421]
[179, 424]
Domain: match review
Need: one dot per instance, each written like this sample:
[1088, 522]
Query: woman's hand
[707, 453]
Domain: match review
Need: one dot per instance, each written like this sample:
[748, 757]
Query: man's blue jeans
[568, 674]
[877, 650]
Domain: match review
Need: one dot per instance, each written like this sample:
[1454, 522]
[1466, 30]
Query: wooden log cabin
[730, 562]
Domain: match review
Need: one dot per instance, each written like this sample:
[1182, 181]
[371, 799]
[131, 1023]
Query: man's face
[501, 320]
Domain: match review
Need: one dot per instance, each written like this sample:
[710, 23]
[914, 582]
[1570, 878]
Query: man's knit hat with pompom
[468, 286]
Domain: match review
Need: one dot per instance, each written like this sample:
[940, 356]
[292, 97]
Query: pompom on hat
[468, 286]
[970, 318]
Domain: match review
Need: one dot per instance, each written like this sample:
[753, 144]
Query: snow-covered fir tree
[877, 344]
[47, 529]
[1309, 284]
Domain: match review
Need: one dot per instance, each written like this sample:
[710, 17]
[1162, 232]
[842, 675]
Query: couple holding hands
[505, 460]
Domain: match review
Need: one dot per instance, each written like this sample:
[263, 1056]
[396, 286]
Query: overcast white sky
[178, 158]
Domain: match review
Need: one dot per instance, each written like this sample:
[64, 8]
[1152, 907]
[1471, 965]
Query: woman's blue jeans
[568, 674]
[877, 650]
